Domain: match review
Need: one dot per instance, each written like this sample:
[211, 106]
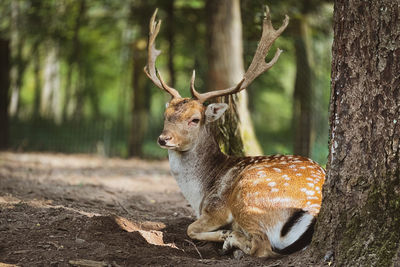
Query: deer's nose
[163, 139]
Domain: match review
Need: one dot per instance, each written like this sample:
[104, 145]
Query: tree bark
[38, 84]
[171, 40]
[302, 96]
[18, 62]
[141, 99]
[140, 12]
[5, 67]
[50, 100]
[360, 217]
[225, 60]
[73, 59]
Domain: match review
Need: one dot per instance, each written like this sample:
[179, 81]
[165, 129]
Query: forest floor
[83, 210]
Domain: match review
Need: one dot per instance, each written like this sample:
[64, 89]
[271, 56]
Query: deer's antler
[258, 64]
[153, 53]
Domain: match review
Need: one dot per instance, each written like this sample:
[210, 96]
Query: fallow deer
[270, 201]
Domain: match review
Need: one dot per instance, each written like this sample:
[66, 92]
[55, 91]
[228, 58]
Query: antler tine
[209, 95]
[153, 53]
[203, 97]
[195, 94]
[258, 64]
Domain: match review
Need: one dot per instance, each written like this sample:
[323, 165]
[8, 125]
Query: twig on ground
[275, 264]
[195, 247]
[123, 207]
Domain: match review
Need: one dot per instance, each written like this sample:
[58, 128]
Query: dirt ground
[82, 210]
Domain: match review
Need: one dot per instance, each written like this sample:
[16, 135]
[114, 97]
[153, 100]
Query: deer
[265, 206]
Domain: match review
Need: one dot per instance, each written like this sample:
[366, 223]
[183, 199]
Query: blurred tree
[140, 14]
[226, 68]
[73, 58]
[141, 98]
[5, 67]
[169, 6]
[360, 217]
[50, 98]
[303, 87]
[18, 61]
[38, 84]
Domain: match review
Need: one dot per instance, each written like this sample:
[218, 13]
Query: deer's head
[185, 117]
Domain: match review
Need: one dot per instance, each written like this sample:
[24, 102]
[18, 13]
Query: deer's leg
[204, 228]
[239, 240]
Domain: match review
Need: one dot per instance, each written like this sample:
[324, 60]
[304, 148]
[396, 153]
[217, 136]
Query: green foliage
[101, 71]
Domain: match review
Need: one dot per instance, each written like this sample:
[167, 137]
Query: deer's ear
[214, 111]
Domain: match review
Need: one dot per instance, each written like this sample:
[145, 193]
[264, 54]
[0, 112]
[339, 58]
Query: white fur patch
[274, 233]
[187, 181]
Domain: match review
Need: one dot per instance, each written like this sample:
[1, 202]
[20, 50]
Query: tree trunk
[225, 59]
[38, 84]
[171, 40]
[302, 96]
[73, 58]
[360, 217]
[18, 63]
[141, 99]
[4, 88]
[50, 100]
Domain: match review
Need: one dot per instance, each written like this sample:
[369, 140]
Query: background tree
[225, 69]
[303, 87]
[360, 218]
[19, 63]
[4, 89]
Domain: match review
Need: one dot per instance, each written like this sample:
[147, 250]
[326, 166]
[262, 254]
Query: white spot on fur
[277, 169]
[302, 167]
[299, 174]
[274, 190]
[292, 166]
[272, 184]
[310, 179]
[303, 189]
[310, 185]
[261, 174]
[310, 192]
[309, 197]
[317, 188]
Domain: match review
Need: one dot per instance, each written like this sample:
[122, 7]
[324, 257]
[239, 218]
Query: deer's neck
[196, 169]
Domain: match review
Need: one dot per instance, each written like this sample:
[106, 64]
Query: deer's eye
[194, 121]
